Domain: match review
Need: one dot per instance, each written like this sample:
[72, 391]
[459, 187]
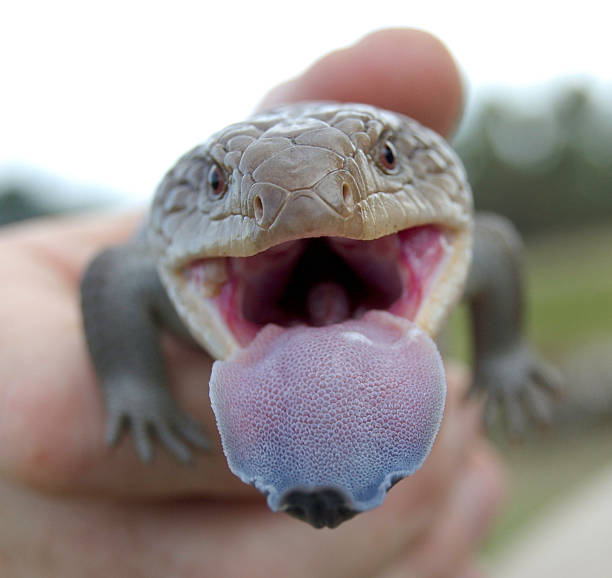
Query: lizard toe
[173, 443]
[549, 378]
[192, 431]
[141, 433]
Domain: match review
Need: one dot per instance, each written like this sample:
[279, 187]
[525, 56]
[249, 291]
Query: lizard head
[300, 190]
[299, 227]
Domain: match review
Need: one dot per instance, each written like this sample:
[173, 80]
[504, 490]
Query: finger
[366, 543]
[67, 244]
[222, 536]
[83, 463]
[409, 71]
[461, 525]
[198, 537]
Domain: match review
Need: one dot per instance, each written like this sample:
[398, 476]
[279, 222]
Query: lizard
[314, 251]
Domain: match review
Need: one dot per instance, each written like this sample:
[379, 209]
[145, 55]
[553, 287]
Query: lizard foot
[152, 414]
[520, 386]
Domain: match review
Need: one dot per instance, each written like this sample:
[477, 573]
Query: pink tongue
[353, 406]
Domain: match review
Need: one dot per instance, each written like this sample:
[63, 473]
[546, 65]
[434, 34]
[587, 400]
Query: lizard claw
[152, 416]
[548, 378]
[520, 386]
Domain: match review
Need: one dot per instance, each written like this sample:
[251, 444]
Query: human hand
[72, 508]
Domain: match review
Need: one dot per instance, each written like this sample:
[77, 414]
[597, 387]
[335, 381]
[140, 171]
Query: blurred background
[98, 100]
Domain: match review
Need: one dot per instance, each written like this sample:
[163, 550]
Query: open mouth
[326, 377]
[322, 281]
[333, 389]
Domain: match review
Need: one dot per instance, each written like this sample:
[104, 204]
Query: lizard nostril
[258, 208]
[347, 196]
[346, 191]
[266, 200]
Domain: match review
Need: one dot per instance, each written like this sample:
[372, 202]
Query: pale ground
[573, 538]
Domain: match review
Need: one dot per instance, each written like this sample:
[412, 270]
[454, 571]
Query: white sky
[108, 94]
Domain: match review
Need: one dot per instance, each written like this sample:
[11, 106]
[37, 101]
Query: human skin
[71, 507]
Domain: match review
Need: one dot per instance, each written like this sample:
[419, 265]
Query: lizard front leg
[515, 378]
[124, 308]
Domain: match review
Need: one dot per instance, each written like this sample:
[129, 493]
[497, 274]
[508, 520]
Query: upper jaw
[341, 211]
[309, 178]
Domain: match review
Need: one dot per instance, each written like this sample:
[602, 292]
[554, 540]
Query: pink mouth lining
[396, 273]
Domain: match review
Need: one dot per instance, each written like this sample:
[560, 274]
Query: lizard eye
[387, 157]
[216, 181]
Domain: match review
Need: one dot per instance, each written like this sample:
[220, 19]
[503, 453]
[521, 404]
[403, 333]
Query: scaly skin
[301, 171]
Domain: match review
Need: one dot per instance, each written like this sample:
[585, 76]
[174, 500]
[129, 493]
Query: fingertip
[406, 70]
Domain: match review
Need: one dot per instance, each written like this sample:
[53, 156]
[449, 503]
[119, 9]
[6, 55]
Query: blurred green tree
[545, 162]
